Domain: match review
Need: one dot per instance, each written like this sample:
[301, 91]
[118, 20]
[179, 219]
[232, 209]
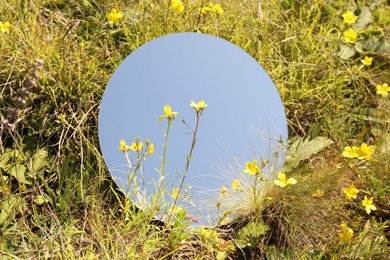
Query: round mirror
[244, 120]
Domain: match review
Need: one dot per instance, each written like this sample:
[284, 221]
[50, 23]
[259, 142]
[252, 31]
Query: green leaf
[39, 200]
[372, 44]
[346, 51]
[18, 171]
[249, 235]
[9, 207]
[4, 158]
[40, 160]
[364, 19]
[302, 149]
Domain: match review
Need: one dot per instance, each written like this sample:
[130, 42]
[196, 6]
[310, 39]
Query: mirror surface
[244, 119]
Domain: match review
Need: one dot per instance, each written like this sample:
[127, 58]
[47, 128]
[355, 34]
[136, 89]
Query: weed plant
[330, 63]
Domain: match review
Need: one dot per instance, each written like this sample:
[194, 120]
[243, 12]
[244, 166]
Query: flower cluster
[212, 8]
[362, 152]
[350, 36]
[136, 146]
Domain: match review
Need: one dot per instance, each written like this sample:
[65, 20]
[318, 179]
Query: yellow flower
[282, 182]
[4, 27]
[349, 17]
[383, 90]
[168, 113]
[136, 146]
[367, 61]
[368, 204]
[151, 149]
[318, 193]
[206, 9]
[346, 233]
[177, 6]
[350, 152]
[123, 146]
[351, 192]
[114, 16]
[365, 151]
[217, 9]
[236, 184]
[175, 193]
[252, 168]
[223, 190]
[350, 36]
[200, 106]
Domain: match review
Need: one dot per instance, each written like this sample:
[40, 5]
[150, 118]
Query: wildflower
[252, 168]
[114, 16]
[350, 36]
[346, 232]
[136, 146]
[206, 9]
[368, 204]
[123, 146]
[350, 152]
[177, 6]
[4, 27]
[236, 184]
[282, 182]
[217, 9]
[367, 61]
[349, 17]
[318, 193]
[351, 192]
[200, 106]
[365, 151]
[175, 193]
[222, 191]
[383, 90]
[22, 187]
[168, 113]
[150, 149]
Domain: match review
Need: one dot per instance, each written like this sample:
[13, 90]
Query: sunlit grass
[57, 197]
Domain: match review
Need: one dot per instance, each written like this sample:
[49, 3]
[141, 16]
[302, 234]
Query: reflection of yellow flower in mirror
[350, 152]
[136, 146]
[383, 90]
[350, 36]
[222, 191]
[4, 27]
[351, 192]
[346, 233]
[123, 146]
[236, 184]
[177, 6]
[368, 204]
[365, 151]
[114, 16]
[175, 193]
[282, 182]
[349, 17]
[252, 168]
[168, 113]
[367, 61]
[151, 149]
[201, 105]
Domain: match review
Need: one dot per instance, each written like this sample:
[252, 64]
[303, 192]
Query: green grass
[57, 199]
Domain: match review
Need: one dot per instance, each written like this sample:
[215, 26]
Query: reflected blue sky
[242, 122]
